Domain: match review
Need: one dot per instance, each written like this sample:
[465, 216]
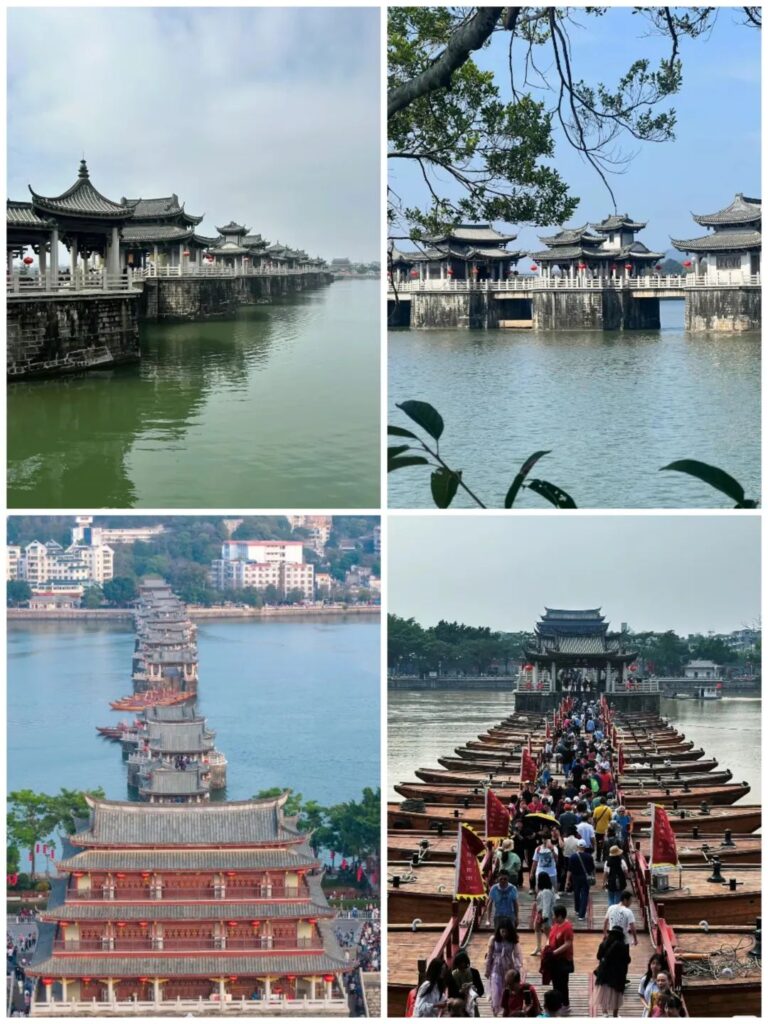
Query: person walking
[581, 874]
[543, 914]
[505, 859]
[430, 995]
[611, 972]
[616, 872]
[518, 998]
[468, 982]
[621, 915]
[557, 957]
[504, 954]
[503, 899]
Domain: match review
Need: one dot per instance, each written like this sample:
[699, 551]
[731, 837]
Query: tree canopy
[35, 818]
[449, 648]
[484, 157]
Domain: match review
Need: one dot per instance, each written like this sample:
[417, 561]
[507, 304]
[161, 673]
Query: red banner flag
[621, 759]
[473, 840]
[528, 770]
[547, 732]
[37, 848]
[496, 817]
[615, 737]
[469, 884]
[663, 845]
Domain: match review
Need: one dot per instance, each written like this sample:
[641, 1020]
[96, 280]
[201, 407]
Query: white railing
[22, 283]
[638, 686]
[650, 282]
[182, 1007]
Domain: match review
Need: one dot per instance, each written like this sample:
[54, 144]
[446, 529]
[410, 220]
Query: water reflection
[614, 407]
[218, 413]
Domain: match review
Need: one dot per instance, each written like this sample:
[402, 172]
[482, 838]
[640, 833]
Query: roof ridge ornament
[83, 172]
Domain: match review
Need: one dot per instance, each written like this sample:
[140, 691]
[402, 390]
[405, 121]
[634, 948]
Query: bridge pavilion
[468, 252]
[732, 249]
[86, 222]
[574, 646]
[163, 233]
[607, 249]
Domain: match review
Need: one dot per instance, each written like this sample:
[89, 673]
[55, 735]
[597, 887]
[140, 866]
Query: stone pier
[730, 309]
[50, 335]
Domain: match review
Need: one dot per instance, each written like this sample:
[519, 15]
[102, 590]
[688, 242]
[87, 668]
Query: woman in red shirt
[557, 959]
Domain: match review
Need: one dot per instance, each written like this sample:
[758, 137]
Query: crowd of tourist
[567, 829]
[21, 940]
[361, 940]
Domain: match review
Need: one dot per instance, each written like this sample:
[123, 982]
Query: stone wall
[730, 310]
[588, 310]
[640, 314]
[447, 310]
[526, 700]
[52, 335]
[211, 298]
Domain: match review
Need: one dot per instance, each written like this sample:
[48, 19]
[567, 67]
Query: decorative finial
[83, 172]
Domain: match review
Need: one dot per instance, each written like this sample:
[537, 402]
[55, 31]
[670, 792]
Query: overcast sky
[716, 152]
[266, 116]
[692, 574]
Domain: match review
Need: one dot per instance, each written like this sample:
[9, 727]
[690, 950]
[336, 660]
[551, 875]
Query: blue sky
[268, 116]
[717, 148]
[692, 574]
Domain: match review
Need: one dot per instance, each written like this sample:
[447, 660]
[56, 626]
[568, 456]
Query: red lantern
[414, 273]
[687, 264]
[291, 977]
[78, 874]
[185, 253]
[231, 924]
[143, 924]
[27, 261]
[233, 977]
[63, 924]
[327, 977]
[475, 271]
[582, 266]
[146, 874]
[47, 981]
[534, 267]
[121, 924]
[246, 259]
[449, 271]
[312, 920]
[143, 980]
[658, 266]
[86, 981]
[231, 874]
[119, 874]
[256, 924]
[627, 267]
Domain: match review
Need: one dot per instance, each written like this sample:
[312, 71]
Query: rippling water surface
[612, 406]
[292, 704]
[423, 726]
[275, 408]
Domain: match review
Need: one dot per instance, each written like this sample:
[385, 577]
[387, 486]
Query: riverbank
[218, 612]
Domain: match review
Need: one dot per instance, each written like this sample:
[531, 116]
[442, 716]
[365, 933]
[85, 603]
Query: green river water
[276, 408]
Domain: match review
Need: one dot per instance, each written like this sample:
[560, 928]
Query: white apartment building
[12, 560]
[84, 532]
[42, 565]
[256, 565]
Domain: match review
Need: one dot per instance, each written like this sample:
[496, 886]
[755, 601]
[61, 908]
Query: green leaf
[711, 475]
[410, 460]
[554, 495]
[395, 450]
[401, 432]
[523, 472]
[427, 417]
[444, 483]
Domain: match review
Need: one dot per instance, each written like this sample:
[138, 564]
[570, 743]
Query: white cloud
[268, 116]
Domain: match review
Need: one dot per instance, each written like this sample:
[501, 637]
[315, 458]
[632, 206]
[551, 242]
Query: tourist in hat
[616, 872]
[505, 859]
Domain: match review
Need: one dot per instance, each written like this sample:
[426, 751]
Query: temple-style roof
[212, 859]
[192, 910]
[157, 233]
[240, 823]
[741, 211]
[435, 255]
[160, 209]
[173, 713]
[233, 229]
[576, 633]
[22, 215]
[162, 781]
[639, 251]
[617, 221]
[196, 966]
[720, 241]
[82, 200]
[179, 737]
[255, 242]
[571, 252]
[571, 236]
[468, 233]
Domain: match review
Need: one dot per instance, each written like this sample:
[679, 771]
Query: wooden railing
[190, 1007]
[214, 270]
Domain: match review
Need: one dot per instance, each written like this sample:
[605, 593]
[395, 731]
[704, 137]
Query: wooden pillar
[49, 992]
[328, 990]
[157, 992]
[73, 258]
[64, 983]
[313, 988]
[113, 263]
[268, 988]
[222, 991]
[42, 262]
[111, 990]
[181, 257]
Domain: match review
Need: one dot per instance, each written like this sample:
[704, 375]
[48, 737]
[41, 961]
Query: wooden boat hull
[722, 907]
[728, 794]
[747, 849]
[404, 907]
[717, 997]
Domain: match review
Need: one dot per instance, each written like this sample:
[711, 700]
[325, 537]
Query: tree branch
[469, 37]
